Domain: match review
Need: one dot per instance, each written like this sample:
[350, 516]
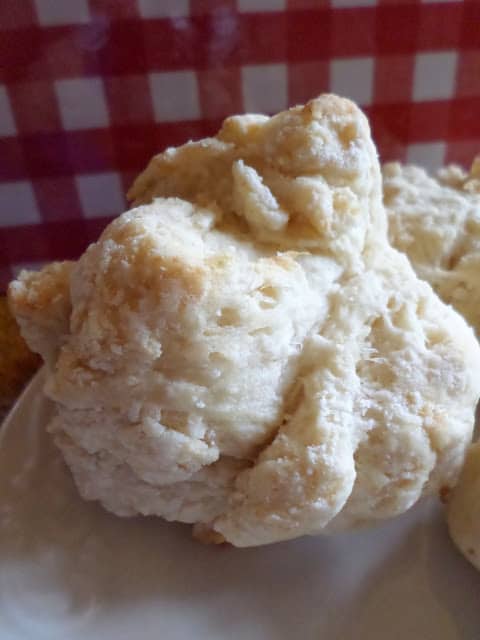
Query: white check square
[430, 155]
[18, 205]
[264, 88]
[337, 4]
[82, 103]
[435, 75]
[163, 8]
[100, 194]
[245, 6]
[56, 12]
[7, 122]
[175, 96]
[353, 78]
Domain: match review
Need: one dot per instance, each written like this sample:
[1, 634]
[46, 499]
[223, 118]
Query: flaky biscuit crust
[244, 349]
[435, 220]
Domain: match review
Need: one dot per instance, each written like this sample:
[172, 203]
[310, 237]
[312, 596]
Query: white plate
[70, 571]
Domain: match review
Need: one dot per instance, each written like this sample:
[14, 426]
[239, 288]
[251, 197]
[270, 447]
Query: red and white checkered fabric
[90, 89]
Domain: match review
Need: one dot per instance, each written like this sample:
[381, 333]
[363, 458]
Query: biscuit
[244, 351]
[435, 220]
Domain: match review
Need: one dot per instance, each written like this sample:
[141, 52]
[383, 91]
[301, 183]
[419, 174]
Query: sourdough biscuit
[435, 220]
[244, 350]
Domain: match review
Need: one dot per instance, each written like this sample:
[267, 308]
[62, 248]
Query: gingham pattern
[90, 89]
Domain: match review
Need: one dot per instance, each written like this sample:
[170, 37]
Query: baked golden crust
[40, 301]
[17, 362]
[435, 221]
[245, 351]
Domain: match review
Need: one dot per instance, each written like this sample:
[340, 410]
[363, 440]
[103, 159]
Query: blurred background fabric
[91, 89]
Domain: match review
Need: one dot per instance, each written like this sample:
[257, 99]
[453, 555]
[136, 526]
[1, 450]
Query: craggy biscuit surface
[435, 220]
[244, 351]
